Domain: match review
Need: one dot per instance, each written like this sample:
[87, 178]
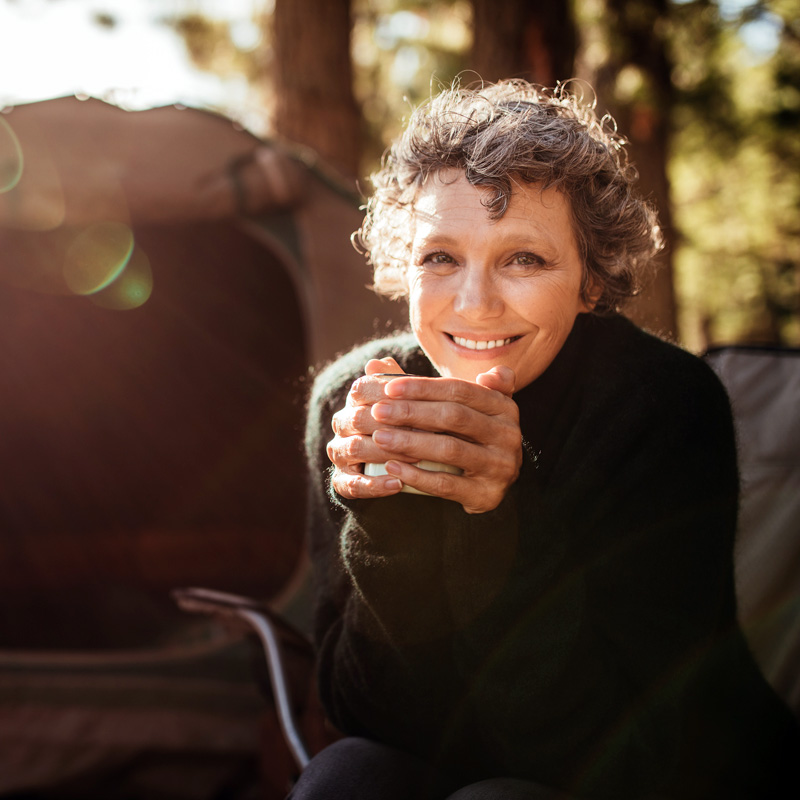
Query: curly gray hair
[511, 131]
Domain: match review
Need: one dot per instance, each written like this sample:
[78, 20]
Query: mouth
[482, 344]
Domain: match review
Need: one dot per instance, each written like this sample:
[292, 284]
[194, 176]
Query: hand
[474, 426]
[352, 445]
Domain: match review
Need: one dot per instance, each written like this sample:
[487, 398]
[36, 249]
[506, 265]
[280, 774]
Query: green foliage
[402, 51]
[734, 171]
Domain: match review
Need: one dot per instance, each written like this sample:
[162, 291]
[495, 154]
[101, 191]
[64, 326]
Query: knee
[508, 789]
[354, 768]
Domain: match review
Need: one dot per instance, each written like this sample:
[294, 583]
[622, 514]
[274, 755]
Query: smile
[474, 344]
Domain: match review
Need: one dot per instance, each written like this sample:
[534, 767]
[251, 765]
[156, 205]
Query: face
[486, 292]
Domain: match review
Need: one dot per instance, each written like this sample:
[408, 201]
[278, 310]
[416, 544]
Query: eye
[438, 262]
[528, 261]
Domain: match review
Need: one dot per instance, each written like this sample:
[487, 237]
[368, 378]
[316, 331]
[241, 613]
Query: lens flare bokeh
[97, 257]
[131, 289]
[11, 162]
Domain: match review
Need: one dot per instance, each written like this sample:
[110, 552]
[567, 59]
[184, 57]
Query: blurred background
[178, 183]
[708, 91]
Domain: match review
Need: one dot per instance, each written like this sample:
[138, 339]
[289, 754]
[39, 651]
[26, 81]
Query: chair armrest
[274, 633]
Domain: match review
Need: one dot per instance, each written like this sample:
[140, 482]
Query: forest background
[707, 92]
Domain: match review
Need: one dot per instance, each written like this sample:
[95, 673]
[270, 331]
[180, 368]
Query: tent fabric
[149, 448]
[81, 161]
[86, 159]
[764, 386]
[181, 720]
[167, 281]
[137, 444]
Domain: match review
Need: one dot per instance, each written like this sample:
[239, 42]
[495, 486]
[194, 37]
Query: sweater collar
[548, 404]
[560, 374]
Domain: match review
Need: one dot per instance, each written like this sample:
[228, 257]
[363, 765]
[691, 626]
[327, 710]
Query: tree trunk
[537, 41]
[642, 106]
[523, 39]
[313, 80]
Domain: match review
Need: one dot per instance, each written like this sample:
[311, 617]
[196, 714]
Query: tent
[166, 281]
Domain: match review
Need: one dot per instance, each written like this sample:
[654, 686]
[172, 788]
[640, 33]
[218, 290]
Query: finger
[354, 485]
[474, 496]
[371, 387]
[414, 446]
[473, 459]
[501, 379]
[454, 418]
[350, 452]
[438, 417]
[378, 366]
[453, 390]
[354, 420]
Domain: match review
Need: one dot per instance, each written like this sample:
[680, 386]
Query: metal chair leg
[272, 631]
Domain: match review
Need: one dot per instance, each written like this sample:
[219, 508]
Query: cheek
[538, 303]
[560, 303]
[425, 298]
[415, 301]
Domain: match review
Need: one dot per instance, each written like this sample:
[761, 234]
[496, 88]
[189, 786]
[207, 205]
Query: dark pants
[358, 769]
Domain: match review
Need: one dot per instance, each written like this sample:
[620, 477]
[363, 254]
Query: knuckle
[459, 392]
[512, 411]
[456, 417]
[451, 449]
[514, 441]
[361, 417]
[401, 443]
[402, 411]
[330, 449]
[359, 388]
[339, 484]
[441, 484]
[352, 448]
[509, 436]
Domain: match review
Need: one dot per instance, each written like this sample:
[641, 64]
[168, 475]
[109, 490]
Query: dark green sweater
[582, 634]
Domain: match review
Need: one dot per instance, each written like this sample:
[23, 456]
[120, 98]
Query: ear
[591, 292]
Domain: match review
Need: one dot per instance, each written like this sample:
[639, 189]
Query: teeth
[474, 344]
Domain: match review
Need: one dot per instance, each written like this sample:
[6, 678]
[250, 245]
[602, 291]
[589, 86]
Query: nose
[478, 295]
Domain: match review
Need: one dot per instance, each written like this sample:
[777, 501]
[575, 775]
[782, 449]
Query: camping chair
[297, 728]
[764, 387]
[289, 659]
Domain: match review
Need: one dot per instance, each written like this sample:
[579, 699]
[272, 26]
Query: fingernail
[394, 483]
[382, 411]
[394, 389]
[383, 437]
[392, 467]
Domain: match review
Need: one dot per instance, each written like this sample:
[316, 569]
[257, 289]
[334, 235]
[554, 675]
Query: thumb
[501, 379]
[375, 366]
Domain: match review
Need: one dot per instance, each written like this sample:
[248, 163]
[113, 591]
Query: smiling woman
[556, 618]
[486, 292]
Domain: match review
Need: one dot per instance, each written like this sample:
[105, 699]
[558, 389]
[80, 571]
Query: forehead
[447, 199]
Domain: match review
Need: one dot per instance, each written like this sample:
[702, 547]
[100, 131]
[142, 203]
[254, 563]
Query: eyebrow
[522, 238]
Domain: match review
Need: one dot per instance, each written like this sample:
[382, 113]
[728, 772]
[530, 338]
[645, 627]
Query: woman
[557, 619]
